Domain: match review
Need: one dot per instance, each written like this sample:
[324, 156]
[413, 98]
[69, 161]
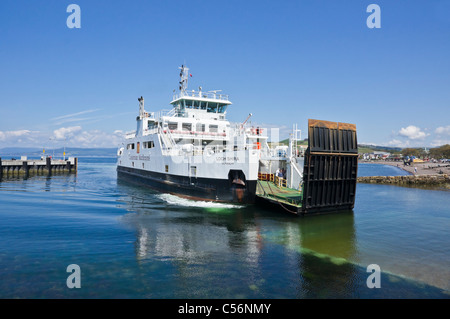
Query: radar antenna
[184, 73]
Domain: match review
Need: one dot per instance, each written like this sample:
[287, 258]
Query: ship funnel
[141, 106]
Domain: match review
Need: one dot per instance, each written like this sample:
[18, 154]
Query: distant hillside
[362, 148]
[18, 150]
[76, 152]
[365, 148]
[302, 142]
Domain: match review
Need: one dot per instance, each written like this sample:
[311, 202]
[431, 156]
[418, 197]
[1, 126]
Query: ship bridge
[207, 105]
[199, 104]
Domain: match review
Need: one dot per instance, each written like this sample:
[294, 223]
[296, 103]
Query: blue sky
[282, 61]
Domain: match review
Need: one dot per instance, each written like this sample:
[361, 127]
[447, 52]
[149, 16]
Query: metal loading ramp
[330, 167]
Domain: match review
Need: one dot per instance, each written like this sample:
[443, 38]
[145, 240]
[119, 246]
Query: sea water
[133, 242]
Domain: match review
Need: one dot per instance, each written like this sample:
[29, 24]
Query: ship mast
[184, 75]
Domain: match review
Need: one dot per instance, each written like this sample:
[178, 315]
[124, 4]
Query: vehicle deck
[288, 198]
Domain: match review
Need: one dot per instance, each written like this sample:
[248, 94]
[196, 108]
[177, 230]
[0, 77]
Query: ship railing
[171, 112]
[198, 134]
[149, 131]
[250, 131]
[280, 181]
[167, 138]
[160, 114]
[130, 134]
[200, 94]
[177, 150]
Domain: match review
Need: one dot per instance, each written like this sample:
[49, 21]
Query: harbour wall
[408, 180]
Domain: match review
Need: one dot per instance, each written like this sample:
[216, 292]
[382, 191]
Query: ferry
[193, 151]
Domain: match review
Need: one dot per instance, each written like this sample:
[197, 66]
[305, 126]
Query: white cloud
[13, 134]
[443, 130]
[439, 142]
[66, 132]
[413, 132]
[398, 143]
[96, 138]
[65, 136]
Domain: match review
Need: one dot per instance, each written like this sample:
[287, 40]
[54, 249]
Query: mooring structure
[46, 165]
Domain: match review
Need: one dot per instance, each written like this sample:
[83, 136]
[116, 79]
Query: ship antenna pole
[183, 78]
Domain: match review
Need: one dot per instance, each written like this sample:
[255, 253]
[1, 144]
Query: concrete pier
[47, 165]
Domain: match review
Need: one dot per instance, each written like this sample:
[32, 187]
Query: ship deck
[287, 198]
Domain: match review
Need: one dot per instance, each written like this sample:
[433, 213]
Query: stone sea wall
[408, 180]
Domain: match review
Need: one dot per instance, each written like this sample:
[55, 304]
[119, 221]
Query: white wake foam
[175, 200]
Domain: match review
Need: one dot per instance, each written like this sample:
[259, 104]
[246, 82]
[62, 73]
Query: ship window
[222, 108]
[167, 168]
[173, 126]
[203, 105]
[187, 127]
[188, 104]
[213, 128]
[212, 107]
[149, 144]
[130, 146]
[200, 127]
[196, 104]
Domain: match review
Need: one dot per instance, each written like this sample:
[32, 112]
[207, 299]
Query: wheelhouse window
[188, 104]
[212, 107]
[196, 104]
[222, 108]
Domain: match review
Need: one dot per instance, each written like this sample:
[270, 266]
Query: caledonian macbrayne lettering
[139, 158]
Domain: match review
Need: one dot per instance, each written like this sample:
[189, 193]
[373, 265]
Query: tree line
[437, 152]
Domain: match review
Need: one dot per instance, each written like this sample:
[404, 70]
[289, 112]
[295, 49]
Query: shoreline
[422, 168]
